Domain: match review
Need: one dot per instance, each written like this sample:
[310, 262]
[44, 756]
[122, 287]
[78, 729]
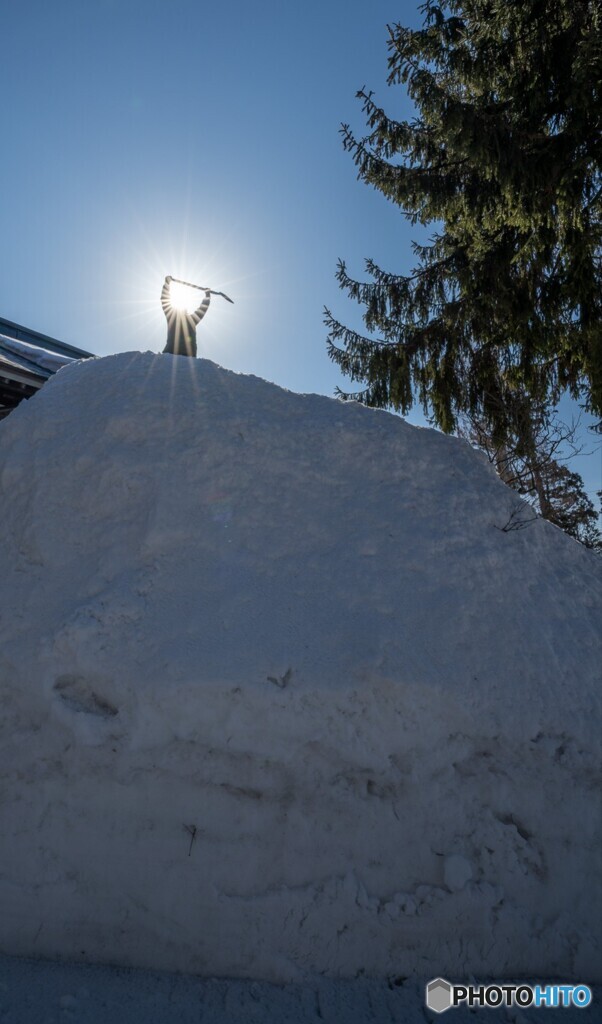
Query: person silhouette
[181, 326]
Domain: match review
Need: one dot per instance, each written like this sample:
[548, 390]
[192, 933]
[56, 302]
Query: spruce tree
[504, 160]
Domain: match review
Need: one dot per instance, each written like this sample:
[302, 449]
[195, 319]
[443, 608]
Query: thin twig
[192, 831]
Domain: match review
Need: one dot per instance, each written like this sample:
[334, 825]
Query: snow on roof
[32, 357]
[287, 690]
[27, 360]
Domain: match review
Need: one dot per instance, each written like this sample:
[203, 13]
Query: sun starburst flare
[183, 297]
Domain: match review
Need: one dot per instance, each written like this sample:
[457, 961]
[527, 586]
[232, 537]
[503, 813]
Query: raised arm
[165, 297]
[199, 313]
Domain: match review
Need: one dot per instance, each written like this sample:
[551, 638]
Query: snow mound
[286, 690]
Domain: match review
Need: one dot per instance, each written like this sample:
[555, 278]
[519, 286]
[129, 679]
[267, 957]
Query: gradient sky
[200, 140]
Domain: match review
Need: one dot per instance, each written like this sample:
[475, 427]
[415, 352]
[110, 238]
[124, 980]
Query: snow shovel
[178, 280]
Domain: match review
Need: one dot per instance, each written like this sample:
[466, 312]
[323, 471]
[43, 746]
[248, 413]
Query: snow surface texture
[284, 692]
[37, 992]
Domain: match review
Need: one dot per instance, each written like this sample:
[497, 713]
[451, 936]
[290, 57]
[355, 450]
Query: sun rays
[183, 297]
[147, 265]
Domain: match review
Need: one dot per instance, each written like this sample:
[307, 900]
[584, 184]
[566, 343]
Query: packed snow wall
[286, 689]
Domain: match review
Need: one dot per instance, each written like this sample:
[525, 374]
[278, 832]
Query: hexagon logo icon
[438, 995]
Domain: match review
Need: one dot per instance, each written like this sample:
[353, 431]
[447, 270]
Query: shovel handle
[200, 287]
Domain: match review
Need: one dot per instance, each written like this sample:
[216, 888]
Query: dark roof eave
[20, 333]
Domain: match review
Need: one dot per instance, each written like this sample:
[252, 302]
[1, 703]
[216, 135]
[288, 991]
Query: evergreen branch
[351, 396]
[338, 331]
[504, 156]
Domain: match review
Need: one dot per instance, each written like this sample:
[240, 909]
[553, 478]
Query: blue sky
[199, 139]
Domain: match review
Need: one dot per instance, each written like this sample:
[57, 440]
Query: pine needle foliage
[504, 160]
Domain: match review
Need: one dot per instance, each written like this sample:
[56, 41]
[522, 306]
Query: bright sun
[184, 298]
